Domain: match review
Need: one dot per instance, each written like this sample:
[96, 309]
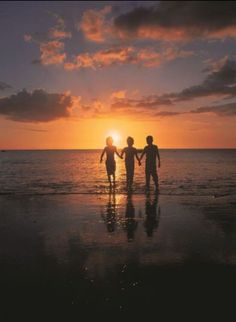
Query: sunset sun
[115, 135]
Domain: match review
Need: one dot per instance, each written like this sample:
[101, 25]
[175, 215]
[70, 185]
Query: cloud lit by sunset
[82, 69]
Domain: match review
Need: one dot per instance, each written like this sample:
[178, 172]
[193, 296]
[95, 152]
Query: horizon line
[96, 149]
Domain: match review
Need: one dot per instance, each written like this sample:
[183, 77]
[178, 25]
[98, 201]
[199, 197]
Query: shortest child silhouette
[130, 152]
[110, 150]
[152, 154]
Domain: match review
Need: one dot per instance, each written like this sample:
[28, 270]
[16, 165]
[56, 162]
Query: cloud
[95, 28]
[59, 34]
[51, 53]
[145, 104]
[147, 57]
[220, 81]
[168, 113]
[4, 86]
[59, 30]
[104, 58]
[38, 106]
[95, 109]
[120, 106]
[51, 43]
[179, 20]
[214, 65]
[94, 25]
[220, 110]
[118, 94]
[33, 130]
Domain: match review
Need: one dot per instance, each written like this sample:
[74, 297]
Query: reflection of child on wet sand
[110, 150]
[110, 214]
[152, 215]
[130, 224]
[130, 152]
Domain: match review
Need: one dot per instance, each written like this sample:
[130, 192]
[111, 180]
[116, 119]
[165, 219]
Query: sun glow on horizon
[115, 135]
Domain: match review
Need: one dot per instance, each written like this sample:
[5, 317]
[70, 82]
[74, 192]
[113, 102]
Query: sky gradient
[72, 73]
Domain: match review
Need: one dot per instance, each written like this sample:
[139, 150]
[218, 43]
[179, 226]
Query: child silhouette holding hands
[130, 152]
[110, 150]
[152, 154]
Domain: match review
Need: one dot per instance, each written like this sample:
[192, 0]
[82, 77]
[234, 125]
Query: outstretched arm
[117, 153]
[122, 153]
[159, 159]
[136, 155]
[144, 151]
[103, 152]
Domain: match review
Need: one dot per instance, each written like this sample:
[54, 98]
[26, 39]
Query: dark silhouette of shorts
[111, 167]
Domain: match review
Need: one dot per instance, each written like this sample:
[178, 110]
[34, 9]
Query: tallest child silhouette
[152, 153]
[110, 150]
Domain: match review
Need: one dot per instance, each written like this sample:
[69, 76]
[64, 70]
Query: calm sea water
[183, 172]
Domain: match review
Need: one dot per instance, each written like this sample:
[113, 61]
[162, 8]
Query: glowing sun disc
[115, 135]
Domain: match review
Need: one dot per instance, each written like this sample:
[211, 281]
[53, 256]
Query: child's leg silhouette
[155, 178]
[130, 175]
[147, 172]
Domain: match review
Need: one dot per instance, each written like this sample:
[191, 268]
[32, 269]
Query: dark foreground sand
[71, 256]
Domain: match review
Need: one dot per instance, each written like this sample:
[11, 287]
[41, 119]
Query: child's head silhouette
[109, 140]
[130, 141]
[149, 139]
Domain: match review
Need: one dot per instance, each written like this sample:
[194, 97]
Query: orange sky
[168, 133]
[86, 69]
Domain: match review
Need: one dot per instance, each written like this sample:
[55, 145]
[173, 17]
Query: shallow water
[183, 172]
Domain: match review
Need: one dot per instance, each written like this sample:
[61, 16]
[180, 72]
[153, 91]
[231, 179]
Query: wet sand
[74, 255]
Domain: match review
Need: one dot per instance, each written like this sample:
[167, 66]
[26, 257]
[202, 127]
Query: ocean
[70, 246]
[193, 172]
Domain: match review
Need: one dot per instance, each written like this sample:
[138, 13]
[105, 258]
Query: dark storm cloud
[180, 20]
[38, 106]
[4, 86]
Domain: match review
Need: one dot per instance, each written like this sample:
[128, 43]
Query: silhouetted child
[152, 154]
[130, 152]
[110, 150]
